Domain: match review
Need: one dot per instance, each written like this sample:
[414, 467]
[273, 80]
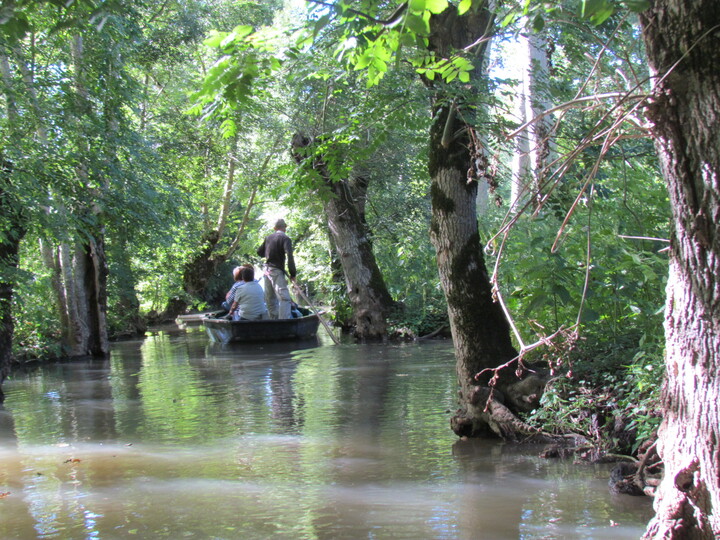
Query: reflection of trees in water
[488, 501]
[16, 516]
[508, 490]
[381, 413]
[280, 379]
[57, 407]
[68, 401]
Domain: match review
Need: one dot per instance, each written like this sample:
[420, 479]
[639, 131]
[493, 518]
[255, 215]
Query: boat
[222, 330]
[190, 319]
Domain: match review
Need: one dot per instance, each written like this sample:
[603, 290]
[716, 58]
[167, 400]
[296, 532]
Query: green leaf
[464, 6]
[242, 31]
[538, 301]
[321, 23]
[416, 6]
[408, 40]
[13, 24]
[637, 5]
[602, 15]
[417, 24]
[597, 11]
[363, 61]
[563, 293]
[215, 39]
[436, 6]
[538, 23]
[509, 19]
[463, 64]
[589, 7]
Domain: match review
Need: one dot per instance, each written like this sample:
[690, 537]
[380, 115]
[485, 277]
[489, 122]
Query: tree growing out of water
[447, 46]
[344, 212]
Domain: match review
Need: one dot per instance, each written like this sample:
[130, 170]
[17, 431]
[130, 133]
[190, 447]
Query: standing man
[274, 249]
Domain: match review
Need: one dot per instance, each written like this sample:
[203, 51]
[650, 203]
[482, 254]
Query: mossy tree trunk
[344, 211]
[682, 39]
[480, 331]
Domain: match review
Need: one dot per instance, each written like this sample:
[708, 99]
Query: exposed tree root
[486, 415]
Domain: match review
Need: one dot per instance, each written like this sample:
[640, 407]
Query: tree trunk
[480, 331]
[198, 271]
[533, 146]
[344, 211]
[366, 287]
[86, 272]
[684, 114]
[95, 288]
[80, 288]
[75, 334]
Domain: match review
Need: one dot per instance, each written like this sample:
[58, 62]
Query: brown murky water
[174, 437]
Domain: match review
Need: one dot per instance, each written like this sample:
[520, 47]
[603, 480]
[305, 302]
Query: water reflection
[173, 436]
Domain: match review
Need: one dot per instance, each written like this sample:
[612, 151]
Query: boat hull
[224, 331]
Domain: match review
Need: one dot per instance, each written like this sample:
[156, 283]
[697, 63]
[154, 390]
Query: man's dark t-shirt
[274, 249]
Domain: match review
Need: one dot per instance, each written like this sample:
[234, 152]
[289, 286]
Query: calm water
[175, 437]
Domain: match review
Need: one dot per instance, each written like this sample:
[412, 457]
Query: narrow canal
[176, 437]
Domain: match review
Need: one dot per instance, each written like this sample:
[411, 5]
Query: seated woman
[249, 302]
[230, 296]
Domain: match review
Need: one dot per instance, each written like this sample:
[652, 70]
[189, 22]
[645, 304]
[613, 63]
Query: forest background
[146, 149]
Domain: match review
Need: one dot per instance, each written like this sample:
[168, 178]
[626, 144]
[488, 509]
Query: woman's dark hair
[248, 273]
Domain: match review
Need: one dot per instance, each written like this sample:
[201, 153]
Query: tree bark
[480, 331]
[95, 287]
[682, 39]
[87, 273]
[344, 211]
[198, 271]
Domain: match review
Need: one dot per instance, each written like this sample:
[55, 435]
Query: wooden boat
[222, 330]
[191, 319]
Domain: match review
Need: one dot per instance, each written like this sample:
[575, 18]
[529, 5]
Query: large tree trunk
[684, 114]
[480, 331]
[94, 284]
[86, 271]
[344, 211]
[79, 280]
[198, 271]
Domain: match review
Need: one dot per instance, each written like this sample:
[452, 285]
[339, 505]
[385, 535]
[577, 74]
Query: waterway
[176, 437]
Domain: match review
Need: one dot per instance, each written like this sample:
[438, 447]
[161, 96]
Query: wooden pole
[299, 292]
